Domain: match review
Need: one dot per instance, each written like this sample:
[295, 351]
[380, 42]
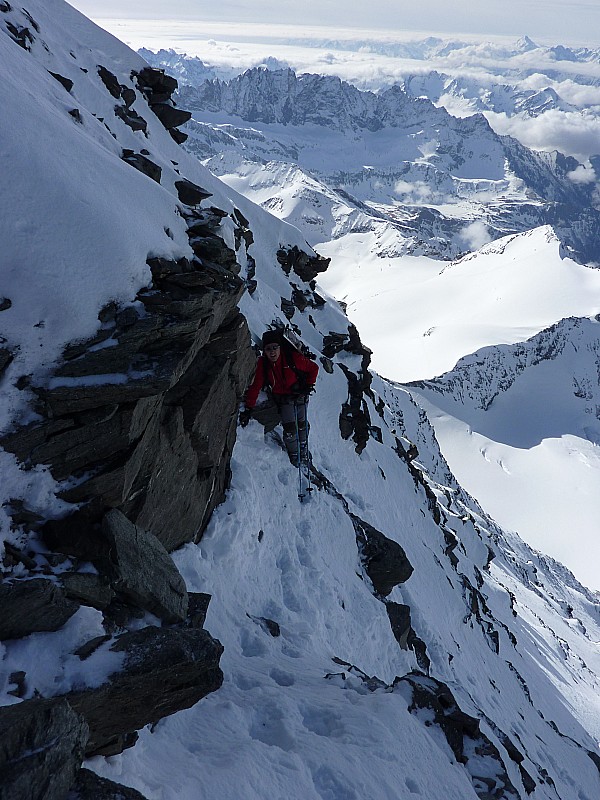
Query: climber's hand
[245, 417]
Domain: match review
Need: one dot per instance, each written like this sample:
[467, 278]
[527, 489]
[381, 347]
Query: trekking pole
[308, 464]
[300, 493]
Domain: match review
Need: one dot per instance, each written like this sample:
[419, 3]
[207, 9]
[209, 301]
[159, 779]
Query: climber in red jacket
[289, 377]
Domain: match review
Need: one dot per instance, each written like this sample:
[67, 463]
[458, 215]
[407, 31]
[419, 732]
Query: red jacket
[280, 376]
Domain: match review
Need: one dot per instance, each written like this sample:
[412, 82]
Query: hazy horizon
[563, 22]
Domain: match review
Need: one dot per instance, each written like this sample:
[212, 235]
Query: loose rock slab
[90, 786]
[30, 606]
[165, 670]
[41, 749]
[141, 569]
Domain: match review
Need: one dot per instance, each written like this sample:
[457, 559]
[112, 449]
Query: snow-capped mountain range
[385, 639]
[375, 180]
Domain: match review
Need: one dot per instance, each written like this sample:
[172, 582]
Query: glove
[245, 417]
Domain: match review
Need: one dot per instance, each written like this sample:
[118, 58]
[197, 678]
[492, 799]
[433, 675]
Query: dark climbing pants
[291, 410]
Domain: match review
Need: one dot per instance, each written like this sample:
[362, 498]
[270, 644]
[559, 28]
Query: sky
[564, 21]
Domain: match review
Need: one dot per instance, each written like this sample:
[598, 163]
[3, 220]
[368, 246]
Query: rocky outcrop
[142, 570]
[90, 786]
[158, 89]
[164, 670]
[469, 744]
[41, 749]
[384, 560]
[160, 400]
[354, 419]
[33, 605]
[305, 266]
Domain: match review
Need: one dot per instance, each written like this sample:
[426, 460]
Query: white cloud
[572, 133]
[582, 175]
[475, 235]
[417, 192]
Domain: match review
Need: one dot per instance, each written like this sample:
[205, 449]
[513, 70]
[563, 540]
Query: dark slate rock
[77, 348]
[156, 80]
[165, 670]
[194, 437]
[88, 589]
[66, 400]
[76, 114]
[198, 603]
[141, 569]
[78, 534]
[5, 7]
[305, 266]
[82, 448]
[87, 649]
[66, 82]
[399, 616]
[268, 625]
[400, 622]
[32, 22]
[470, 746]
[33, 605]
[213, 250]
[22, 441]
[288, 308]
[131, 118]
[128, 316]
[385, 562]
[142, 164]
[90, 786]
[110, 81]
[15, 556]
[5, 303]
[6, 358]
[179, 136]
[334, 343]
[528, 782]
[189, 193]
[41, 749]
[17, 679]
[170, 116]
[163, 267]
[128, 95]
[22, 36]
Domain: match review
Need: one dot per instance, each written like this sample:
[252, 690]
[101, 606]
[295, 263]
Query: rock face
[41, 748]
[156, 447]
[34, 605]
[142, 570]
[462, 732]
[165, 670]
[385, 562]
[90, 786]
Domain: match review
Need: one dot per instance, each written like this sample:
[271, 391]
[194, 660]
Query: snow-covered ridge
[477, 379]
[385, 639]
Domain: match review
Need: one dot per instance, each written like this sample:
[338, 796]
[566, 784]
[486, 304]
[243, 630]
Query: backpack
[290, 342]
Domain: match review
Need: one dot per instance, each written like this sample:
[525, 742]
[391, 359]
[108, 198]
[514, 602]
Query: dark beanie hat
[270, 337]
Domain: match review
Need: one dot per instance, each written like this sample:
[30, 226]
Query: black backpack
[290, 342]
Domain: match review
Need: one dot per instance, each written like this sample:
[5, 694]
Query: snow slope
[420, 316]
[525, 438]
[504, 639]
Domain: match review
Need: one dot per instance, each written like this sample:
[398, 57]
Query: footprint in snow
[281, 677]
[252, 645]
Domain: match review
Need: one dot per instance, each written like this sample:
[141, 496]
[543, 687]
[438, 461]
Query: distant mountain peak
[525, 44]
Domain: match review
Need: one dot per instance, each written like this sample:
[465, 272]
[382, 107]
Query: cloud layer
[569, 20]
